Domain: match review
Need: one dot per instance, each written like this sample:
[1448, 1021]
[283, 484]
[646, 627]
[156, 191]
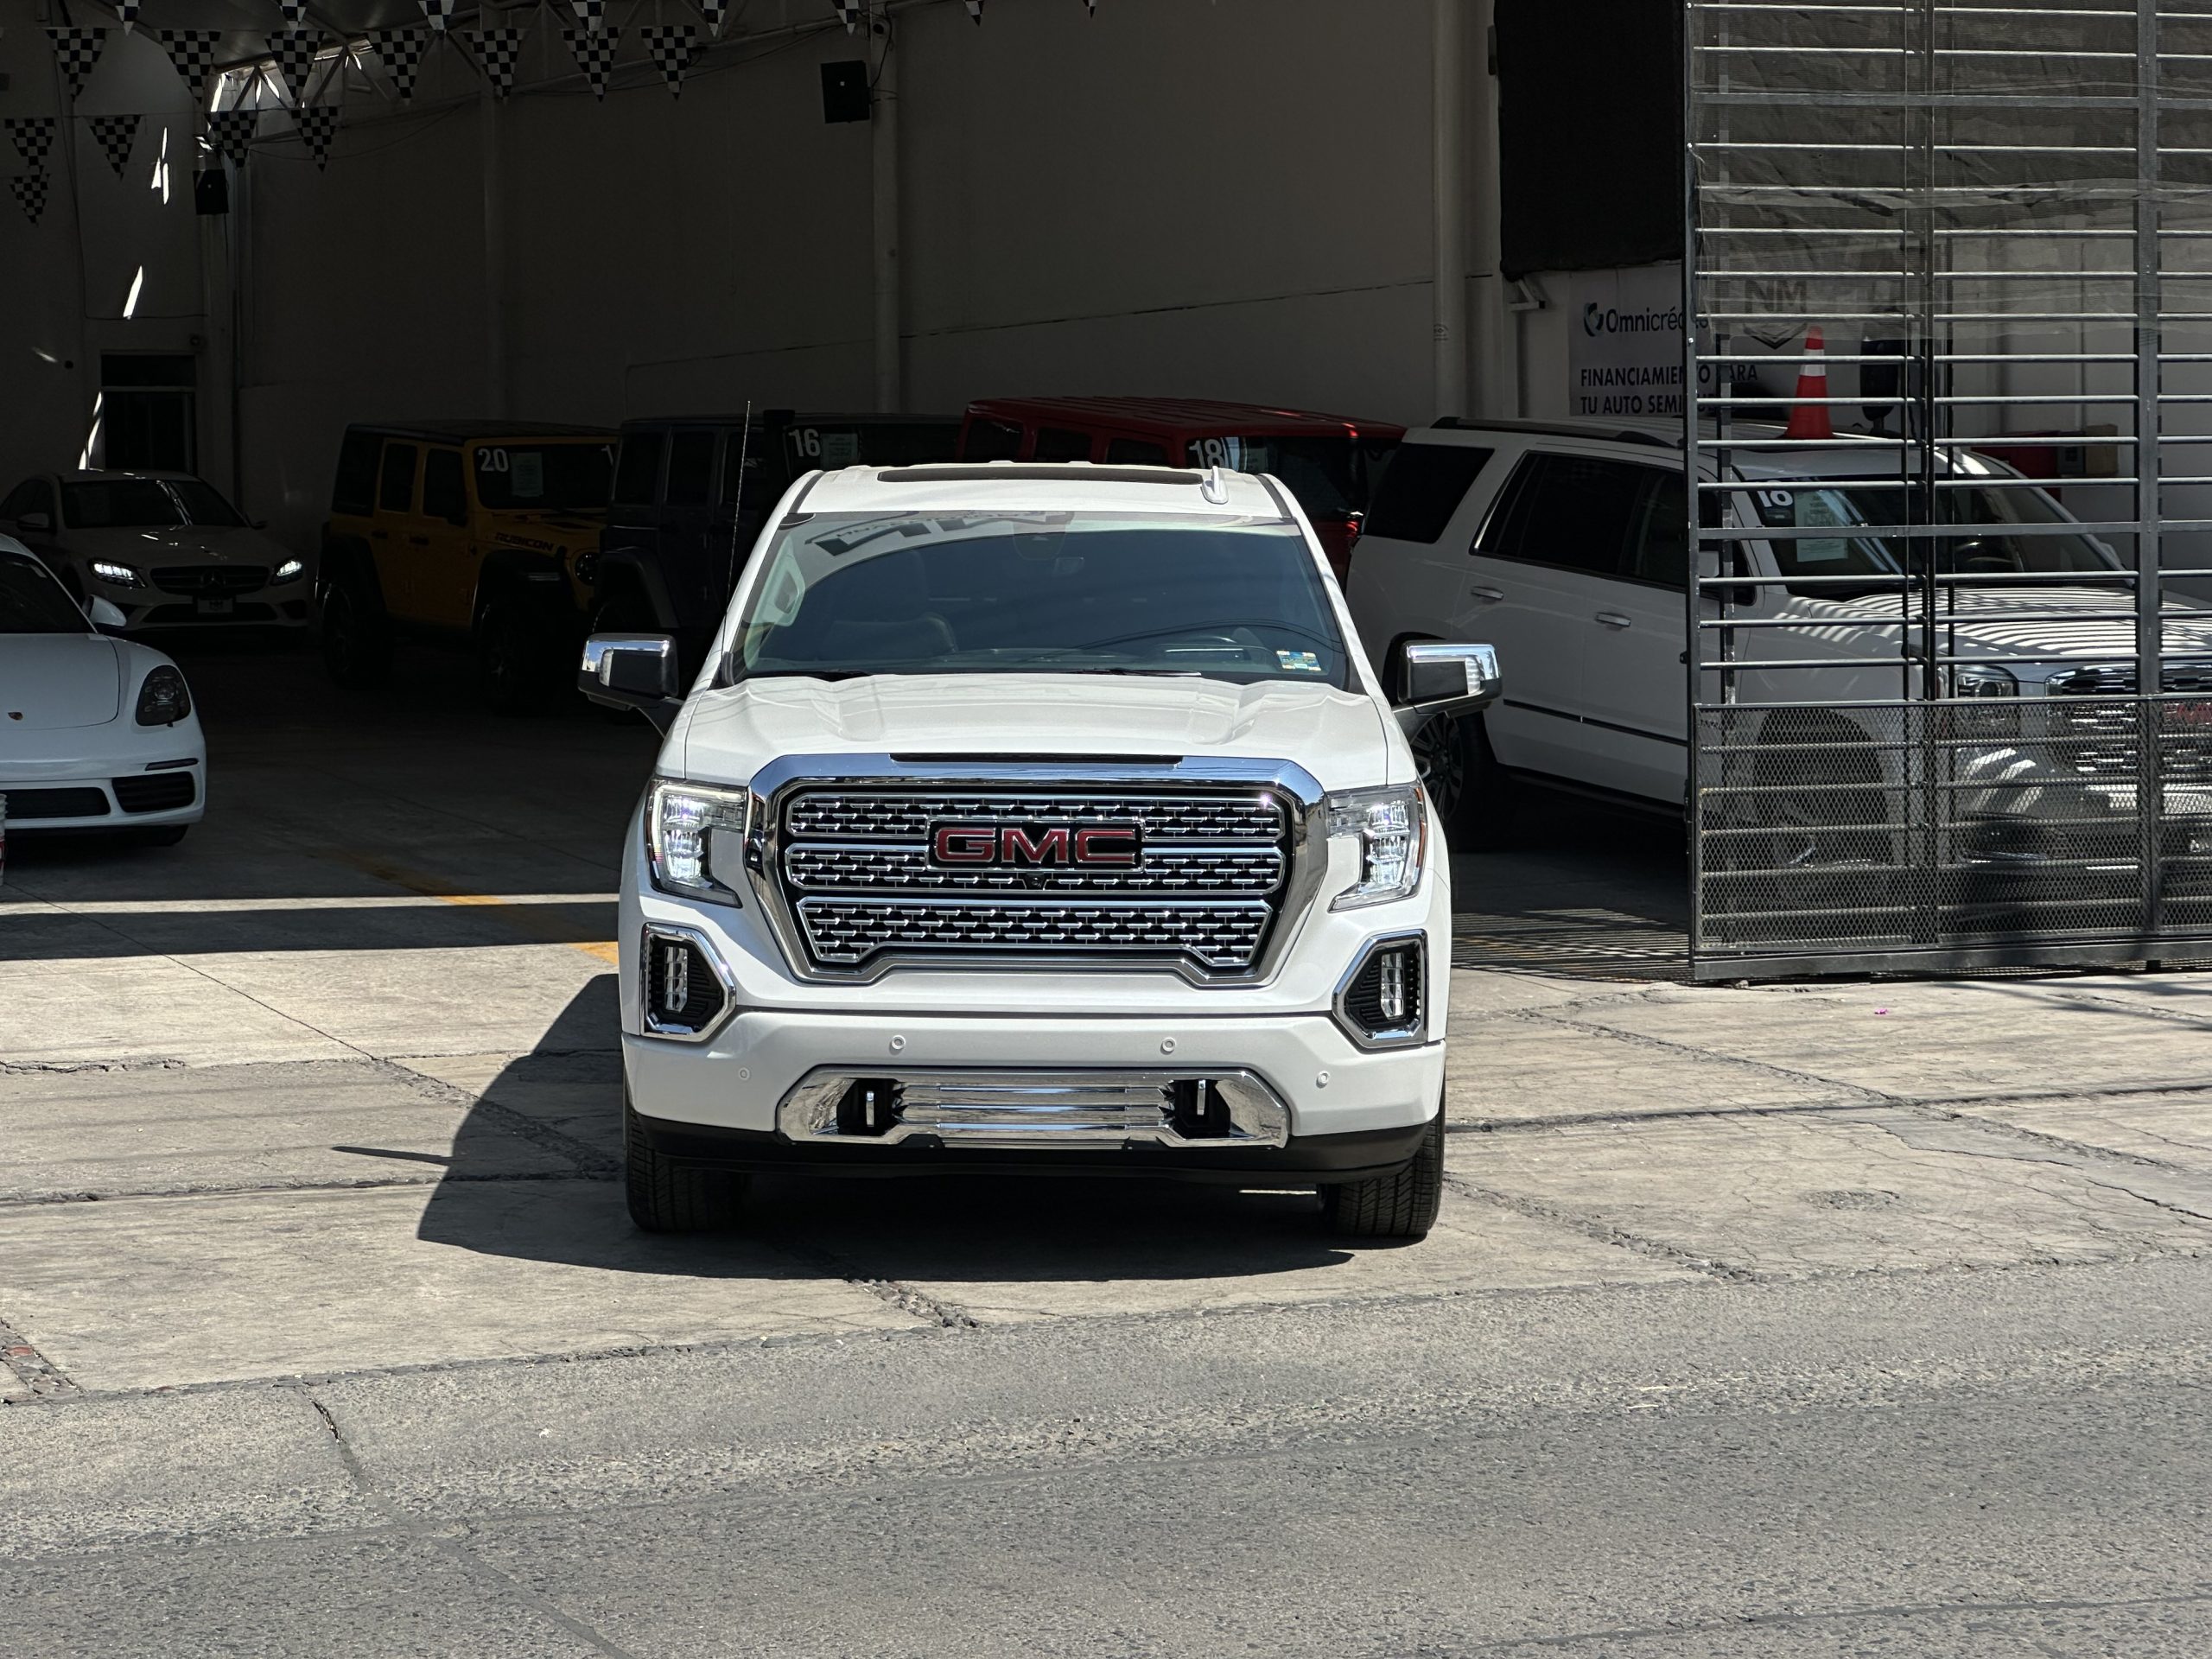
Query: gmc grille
[2096, 735]
[856, 871]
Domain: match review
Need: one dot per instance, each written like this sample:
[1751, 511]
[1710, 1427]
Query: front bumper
[161, 779]
[285, 605]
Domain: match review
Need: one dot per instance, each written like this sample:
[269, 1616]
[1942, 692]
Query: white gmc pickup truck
[1036, 818]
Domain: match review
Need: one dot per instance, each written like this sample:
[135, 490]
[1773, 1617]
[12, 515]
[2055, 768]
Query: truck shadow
[535, 1174]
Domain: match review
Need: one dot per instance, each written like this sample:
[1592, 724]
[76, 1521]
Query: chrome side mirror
[1446, 679]
[633, 671]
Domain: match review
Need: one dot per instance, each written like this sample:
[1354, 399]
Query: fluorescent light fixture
[138, 287]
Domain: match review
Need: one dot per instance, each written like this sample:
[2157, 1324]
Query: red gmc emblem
[1038, 846]
[2189, 716]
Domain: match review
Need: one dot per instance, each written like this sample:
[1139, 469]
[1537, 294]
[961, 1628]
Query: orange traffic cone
[1810, 420]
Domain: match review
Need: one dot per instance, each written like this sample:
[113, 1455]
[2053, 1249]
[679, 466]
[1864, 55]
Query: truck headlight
[686, 825]
[1392, 828]
[1980, 681]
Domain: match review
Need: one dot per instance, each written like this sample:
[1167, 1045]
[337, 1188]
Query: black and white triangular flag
[77, 50]
[592, 14]
[126, 13]
[294, 54]
[193, 52]
[117, 134]
[498, 51]
[34, 136]
[30, 194]
[318, 124]
[673, 46]
[232, 132]
[975, 12]
[296, 13]
[713, 11]
[440, 12]
[401, 51]
[594, 52]
[848, 12]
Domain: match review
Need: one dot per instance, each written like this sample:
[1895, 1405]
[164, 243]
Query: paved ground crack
[903, 1297]
[1604, 1232]
[45, 1380]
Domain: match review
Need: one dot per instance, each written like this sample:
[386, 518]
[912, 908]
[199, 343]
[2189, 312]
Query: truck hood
[1339, 736]
[1985, 625]
[54, 681]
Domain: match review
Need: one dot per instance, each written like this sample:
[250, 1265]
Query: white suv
[1035, 818]
[1564, 547]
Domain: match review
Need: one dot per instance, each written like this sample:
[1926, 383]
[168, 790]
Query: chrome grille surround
[1009, 1108]
[2098, 737]
[837, 856]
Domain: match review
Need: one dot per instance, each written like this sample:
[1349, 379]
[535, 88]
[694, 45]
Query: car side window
[1421, 487]
[1659, 544]
[32, 495]
[354, 490]
[1060, 444]
[445, 494]
[691, 468]
[1135, 452]
[637, 474]
[992, 441]
[1572, 513]
[395, 483]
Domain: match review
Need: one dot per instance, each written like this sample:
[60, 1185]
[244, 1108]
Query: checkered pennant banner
[295, 55]
[193, 52]
[975, 12]
[318, 125]
[713, 11]
[77, 50]
[34, 136]
[401, 50]
[30, 194]
[117, 134]
[440, 12]
[498, 51]
[232, 132]
[296, 13]
[848, 12]
[594, 55]
[673, 47]
[592, 14]
[126, 13]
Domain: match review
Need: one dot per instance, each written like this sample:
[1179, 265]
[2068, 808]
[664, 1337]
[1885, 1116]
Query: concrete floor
[1795, 1320]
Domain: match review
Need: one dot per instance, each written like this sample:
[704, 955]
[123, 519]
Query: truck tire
[667, 1195]
[1474, 796]
[1400, 1205]
[356, 639]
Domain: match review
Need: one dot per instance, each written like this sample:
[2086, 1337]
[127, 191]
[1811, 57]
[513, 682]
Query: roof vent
[1215, 487]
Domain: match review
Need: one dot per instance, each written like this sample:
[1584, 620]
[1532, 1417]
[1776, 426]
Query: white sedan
[96, 733]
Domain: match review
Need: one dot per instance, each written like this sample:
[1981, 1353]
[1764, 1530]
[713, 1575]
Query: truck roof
[1026, 487]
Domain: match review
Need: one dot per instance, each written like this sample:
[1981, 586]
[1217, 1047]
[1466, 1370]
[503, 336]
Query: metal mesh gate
[1951, 671]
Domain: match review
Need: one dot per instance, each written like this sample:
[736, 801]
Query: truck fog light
[682, 990]
[1380, 1003]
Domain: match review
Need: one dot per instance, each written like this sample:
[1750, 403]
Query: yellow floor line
[521, 918]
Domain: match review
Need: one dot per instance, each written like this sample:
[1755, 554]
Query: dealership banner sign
[1624, 346]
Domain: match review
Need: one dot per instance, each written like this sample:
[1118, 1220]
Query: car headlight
[1981, 681]
[116, 576]
[290, 570]
[163, 700]
[1392, 828]
[689, 829]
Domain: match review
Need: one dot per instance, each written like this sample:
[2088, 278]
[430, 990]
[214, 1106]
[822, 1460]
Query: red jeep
[1328, 462]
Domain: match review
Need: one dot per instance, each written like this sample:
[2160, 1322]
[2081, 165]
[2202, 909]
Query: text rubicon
[1808, 417]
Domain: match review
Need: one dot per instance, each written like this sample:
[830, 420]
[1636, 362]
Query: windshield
[1844, 503]
[1228, 598]
[545, 477]
[117, 502]
[31, 601]
[1330, 477]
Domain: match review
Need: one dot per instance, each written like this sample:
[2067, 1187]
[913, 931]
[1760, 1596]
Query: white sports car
[96, 733]
[165, 549]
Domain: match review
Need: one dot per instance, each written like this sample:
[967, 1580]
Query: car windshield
[1845, 502]
[545, 477]
[31, 601]
[1332, 477]
[1230, 599]
[137, 503]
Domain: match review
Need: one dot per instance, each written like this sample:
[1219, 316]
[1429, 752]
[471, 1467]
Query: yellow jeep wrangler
[483, 533]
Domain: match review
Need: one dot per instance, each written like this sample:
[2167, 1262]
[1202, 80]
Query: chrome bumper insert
[1035, 1108]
